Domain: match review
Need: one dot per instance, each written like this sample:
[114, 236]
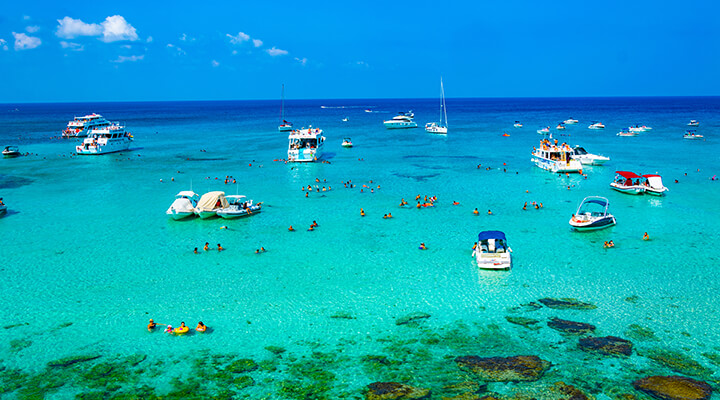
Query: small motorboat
[505, 134]
[624, 183]
[570, 121]
[346, 119]
[654, 185]
[492, 251]
[183, 206]
[239, 206]
[11, 152]
[627, 133]
[560, 127]
[210, 203]
[517, 124]
[585, 158]
[693, 135]
[693, 123]
[592, 214]
[596, 125]
[638, 128]
[544, 130]
[347, 142]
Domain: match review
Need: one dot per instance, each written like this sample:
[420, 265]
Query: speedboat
[654, 185]
[11, 151]
[105, 139]
[81, 126]
[517, 124]
[639, 129]
[555, 158]
[305, 145]
[624, 183]
[183, 206]
[560, 126]
[689, 134]
[403, 120]
[439, 128]
[347, 142]
[592, 214]
[627, 133]
[239, 206]
[544, 130]
[596, 125]
[570, 121]
[585, 158]
[210, 203]
[346, 119]
[693, 123]
[492, 251]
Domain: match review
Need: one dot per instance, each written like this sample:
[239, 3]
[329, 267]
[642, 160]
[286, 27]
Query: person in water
[195, 251]
[201, 327]
[207, 246]
[476, 212]
[646, 236]
[362, 212]
[291, 229]
[151, 325]
[220, 248]
[422, 246]
[489, 212]
[262, 249]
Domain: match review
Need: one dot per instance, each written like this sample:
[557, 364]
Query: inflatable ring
[201, 330]
[181, 330]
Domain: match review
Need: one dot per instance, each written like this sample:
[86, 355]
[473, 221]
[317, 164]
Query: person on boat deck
[201, 327]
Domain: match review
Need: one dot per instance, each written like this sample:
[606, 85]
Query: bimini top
[485, 235]
[187, 193]
[650, 176]
[627, 174]
[597, 200]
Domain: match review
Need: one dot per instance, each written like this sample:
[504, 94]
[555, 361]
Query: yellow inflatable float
[181, 330]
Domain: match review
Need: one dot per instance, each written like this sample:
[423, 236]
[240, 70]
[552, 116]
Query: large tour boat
[305, 145]
[81, 126]
[555, 158]
[105, 139]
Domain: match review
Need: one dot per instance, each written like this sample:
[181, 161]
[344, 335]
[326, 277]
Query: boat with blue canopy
[492, 251]
[592, 214]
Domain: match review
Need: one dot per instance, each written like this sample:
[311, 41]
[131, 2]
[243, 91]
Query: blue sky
[132, 50]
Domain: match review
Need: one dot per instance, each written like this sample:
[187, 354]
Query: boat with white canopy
[183, 206]
[555, 158]
[596, 125]
[239, 206]
[654, 185]
[624, 183]
[492, 251]
[347, 142]
[570, 121]
[210, 203]
[592, 214]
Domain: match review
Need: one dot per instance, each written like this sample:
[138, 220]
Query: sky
[77, 51]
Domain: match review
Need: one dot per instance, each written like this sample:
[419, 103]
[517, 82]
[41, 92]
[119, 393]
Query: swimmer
[311, 228]
[201, 327]
[262, 249]
[476, 212]
[422, 246]
[418, 205]
[151, 326]
[169, 329]
[291, 229]
[541, 206]
[315, 223]
[224, 227]
[195, 251]
[384, 216]
[220, 248]
[257, 251]
[646, 236]
[362, 212]
[455, 203]
[389, 215]
[489, 212]
[525, 206]
[537, 207]
[306, 194]
[207, 246]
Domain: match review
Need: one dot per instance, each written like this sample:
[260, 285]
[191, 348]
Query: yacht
[305, 145]
[11, 152]
[239, 206]
[492, 251]
[654, 185]
[401, 121]
[517, 124]
[592, 214]
[596, 125]
[585, 158]
[210, 203]
[347, 142]
[570, 121]
[627, 133]
[544, 130]
[284, 126]
[81, 126]
[689, 134]
[183, 206]
[555, 158]
[693, 123]
[440, 128]
[104, 140]
[624, 183]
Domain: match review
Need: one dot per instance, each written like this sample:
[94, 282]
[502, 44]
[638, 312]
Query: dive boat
[305, 145]
[592, 214]
[439, 128]
[81, 126]
[183, 206]
[570, 121]
[596, 125]
[544, 130]
[654, 185]
[585, 158]
[626, 133]
[284, 126]
[104, 140]
[560, 126]
[347, 142]
[492, 251]
[555, 158]
[689, 134]
[210, 203]
[11, 151]
[693, 123]
[624, 183]
[517, 124]
[239, 206]
[401, 121]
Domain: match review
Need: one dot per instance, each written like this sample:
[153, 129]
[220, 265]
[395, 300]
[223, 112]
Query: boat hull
[493, 261]
[233, 214]
[438, 130]
[656, 192]
[207, 214]
[557, 166]
[285, 128]
[178, 215]
[628, 189]
[399, 125]
[592, 225]
[11, 155]
[591, 160]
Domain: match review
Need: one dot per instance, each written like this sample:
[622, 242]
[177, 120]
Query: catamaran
[441, 127]
[285, 126]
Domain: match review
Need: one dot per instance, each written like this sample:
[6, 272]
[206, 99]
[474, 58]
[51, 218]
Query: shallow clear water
[86, 242]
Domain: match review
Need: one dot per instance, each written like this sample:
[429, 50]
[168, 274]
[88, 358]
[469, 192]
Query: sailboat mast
[282, 105]
[443, 108]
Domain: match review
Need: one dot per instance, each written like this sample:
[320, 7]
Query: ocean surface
[88, 254]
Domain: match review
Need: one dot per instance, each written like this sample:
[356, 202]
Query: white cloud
[276, 52]
[179, 50]
[32, 28]
[215, 63]
[234, 52]
[122, 59]
[257, 42]
[72, 46]
[302, 61]
[26, 17]
[183, 37]
[3, 44]
[149, 39]
[116, 28]
[70, 28]
[241, 37]
[25, 42]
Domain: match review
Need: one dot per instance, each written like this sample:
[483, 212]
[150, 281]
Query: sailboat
[439, 128]
[285, 126]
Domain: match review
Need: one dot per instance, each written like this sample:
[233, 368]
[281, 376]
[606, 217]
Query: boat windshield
[593, 208]
[580, 151]
[303, 143]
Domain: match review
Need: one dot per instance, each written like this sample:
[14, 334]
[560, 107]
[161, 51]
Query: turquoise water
[89, 255]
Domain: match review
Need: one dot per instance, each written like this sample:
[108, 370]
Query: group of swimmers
[207, 247]
[182, 329]
[534, 204]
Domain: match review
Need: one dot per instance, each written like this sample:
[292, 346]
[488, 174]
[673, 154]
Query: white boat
[624, 183]
[555, 158]
[183, 206]
[347, 142]
[346, 119]
[585, 158]
[284, 126]
[439, 128]
[544, 130]
[639, 129]
[210, 203]
[492, 251]
[11, 152]
[81, 126]
[592, 214]
[401, 121]
[305, 145]
[627, 133]
[596, 125]
[693, 123]
[104, 140]
[570, 121]
[654, 185]
[560, 126]
[690, 134]
[517, 124]
[239, 206]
